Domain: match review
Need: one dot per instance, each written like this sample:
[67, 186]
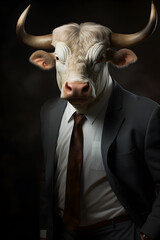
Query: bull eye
[57, 58]
[103, 58]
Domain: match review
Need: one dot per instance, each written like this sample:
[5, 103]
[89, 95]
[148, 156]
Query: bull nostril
[85, 88]
[68, 86]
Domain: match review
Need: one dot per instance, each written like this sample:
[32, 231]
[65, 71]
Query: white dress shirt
[98, 201]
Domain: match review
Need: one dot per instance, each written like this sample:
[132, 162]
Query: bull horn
[40, 42]
[126, 40]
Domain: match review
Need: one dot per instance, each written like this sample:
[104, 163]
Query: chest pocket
[96, 157]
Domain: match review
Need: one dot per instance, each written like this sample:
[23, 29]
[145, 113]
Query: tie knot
[79, 118]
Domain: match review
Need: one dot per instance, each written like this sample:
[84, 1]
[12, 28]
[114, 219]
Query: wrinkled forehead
[93, 51]
[81, 37]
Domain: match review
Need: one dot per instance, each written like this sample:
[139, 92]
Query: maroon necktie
[71, 216]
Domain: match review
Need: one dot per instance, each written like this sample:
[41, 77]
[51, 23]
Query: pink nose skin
[77, 90]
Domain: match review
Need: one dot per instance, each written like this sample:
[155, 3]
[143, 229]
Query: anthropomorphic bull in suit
[101, 143]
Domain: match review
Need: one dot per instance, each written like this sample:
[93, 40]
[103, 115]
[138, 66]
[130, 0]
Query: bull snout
[77, 90]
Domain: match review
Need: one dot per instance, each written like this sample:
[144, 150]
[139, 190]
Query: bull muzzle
[77, 91]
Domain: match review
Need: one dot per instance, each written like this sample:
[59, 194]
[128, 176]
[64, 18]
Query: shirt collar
[70, 110]
[96, 108]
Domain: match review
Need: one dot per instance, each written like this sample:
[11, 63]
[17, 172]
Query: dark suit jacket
[131, 156]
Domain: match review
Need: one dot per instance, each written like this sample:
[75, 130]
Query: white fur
[94, 72]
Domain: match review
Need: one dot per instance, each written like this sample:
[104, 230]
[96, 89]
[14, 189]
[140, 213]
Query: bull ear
[123, 57]
[43, 59]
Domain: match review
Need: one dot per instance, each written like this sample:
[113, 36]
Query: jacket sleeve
[152, 156]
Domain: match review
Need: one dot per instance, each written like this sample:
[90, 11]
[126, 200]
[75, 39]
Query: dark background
[24, 88]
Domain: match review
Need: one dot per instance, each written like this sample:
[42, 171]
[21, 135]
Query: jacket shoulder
[52, 105]
[139, 104]
[48, 105]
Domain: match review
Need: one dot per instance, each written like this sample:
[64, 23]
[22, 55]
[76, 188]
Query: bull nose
[77, 89]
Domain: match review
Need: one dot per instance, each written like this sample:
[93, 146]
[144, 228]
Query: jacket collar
[113, 121]
[116, 99]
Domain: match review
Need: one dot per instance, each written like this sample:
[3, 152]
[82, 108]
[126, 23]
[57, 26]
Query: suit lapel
[55, 121]
[113, 121]
[52, 125]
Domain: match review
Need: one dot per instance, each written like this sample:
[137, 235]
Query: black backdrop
[24, 88]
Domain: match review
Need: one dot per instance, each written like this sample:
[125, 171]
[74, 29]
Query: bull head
[81, 56]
